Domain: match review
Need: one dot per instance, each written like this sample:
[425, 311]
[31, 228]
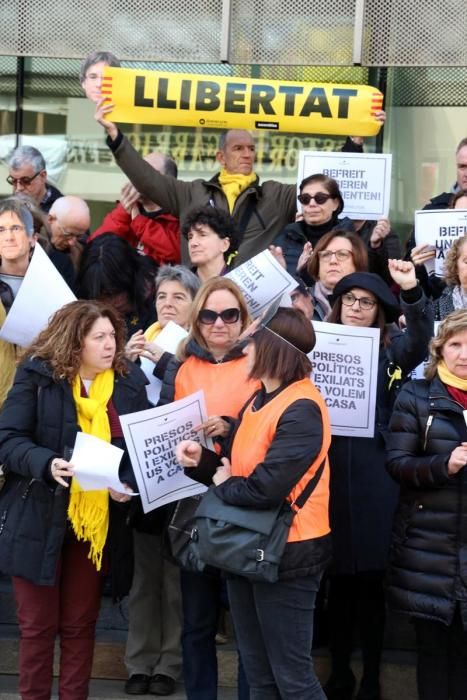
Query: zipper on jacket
[427, 428]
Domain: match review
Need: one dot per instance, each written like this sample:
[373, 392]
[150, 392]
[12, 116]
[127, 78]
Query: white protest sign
[345, 370]
[364, 179]
[168, 340]
[42, 292]
[439, 228]
[151, 437]
[262, 280]
[96, 464]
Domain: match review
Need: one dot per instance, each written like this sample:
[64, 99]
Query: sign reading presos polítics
[345, 370]
[220, 102]
[364, 180]
[262, 280]
[151, 438]
[439, 228]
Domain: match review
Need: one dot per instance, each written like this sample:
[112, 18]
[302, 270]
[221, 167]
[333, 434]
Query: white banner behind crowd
[262, 280]
[439, 228]
[345, 370]
[364, 179]
[42, 292]
[151, 437]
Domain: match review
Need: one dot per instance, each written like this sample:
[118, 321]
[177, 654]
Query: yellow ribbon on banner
[220, 102]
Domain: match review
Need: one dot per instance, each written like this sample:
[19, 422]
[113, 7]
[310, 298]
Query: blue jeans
[274, 628]
[203, 596]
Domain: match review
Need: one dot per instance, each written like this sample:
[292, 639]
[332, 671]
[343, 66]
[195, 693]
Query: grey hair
[461, 144]
[97, 57]
[26, 155]
[225, 135]
[13, 205]
[181, 274]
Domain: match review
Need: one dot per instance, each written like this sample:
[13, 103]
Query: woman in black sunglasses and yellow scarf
[211, 359]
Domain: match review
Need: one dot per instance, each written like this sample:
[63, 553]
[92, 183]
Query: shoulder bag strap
[310, 487]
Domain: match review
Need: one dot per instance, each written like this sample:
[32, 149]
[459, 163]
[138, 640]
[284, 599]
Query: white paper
[170, 337]
[168, 340]
[42, 292]
[364, 180]
[345, 370]
[262, 280]
[153, 389]
[96, 464]
[439, 228]
[151, 437]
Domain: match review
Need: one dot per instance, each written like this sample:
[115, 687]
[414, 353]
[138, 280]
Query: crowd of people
[371, 534]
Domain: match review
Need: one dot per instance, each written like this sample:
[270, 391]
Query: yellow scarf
[449, 378]
[234, 184]
[88, 511]
[152, 332]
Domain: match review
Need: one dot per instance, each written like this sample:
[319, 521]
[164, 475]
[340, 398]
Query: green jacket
[260, 212]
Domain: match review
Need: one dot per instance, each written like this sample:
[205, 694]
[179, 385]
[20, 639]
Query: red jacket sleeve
[159, 235]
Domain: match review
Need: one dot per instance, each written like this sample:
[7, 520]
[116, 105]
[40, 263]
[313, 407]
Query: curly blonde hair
[455, 322]
[61, 343]
[451, 274]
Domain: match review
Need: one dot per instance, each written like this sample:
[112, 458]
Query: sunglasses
[23, 181]
[208, 317]
[319, 197]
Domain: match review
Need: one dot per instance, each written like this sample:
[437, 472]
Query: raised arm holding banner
[219, 102]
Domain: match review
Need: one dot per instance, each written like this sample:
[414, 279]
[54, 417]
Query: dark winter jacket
[363, 497]
[428, 562]
[37, 424]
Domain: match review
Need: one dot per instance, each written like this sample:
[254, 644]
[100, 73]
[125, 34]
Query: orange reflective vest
[251, 443]
[225, 384]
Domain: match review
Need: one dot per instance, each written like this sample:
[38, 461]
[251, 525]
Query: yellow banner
[219, 102]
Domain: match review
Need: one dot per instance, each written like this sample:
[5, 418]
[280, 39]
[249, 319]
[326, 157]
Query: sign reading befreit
[364, 180]
[439, 228]
[220, 102]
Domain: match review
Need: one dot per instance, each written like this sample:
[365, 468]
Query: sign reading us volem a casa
[220, 102]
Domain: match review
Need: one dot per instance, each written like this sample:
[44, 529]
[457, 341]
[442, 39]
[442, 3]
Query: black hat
[374, 284]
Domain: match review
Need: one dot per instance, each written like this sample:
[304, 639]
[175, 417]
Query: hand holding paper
[96, 464]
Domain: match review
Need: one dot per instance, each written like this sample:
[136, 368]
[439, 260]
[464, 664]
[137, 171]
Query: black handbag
[240, 540]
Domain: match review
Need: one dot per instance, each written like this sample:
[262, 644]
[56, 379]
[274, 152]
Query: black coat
[428, 563]
[363, 497]
[38, 423]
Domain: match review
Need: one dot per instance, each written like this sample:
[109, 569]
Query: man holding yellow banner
[260, 211]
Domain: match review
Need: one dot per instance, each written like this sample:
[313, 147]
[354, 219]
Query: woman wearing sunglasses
[211, 359]
[363, 496]
[321, 203]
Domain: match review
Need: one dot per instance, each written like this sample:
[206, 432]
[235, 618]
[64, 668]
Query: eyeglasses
[341, 255]
[364, 303]
[68, 234]
[23, 181]
[319, 197]
[208, 317]
[15, 229]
